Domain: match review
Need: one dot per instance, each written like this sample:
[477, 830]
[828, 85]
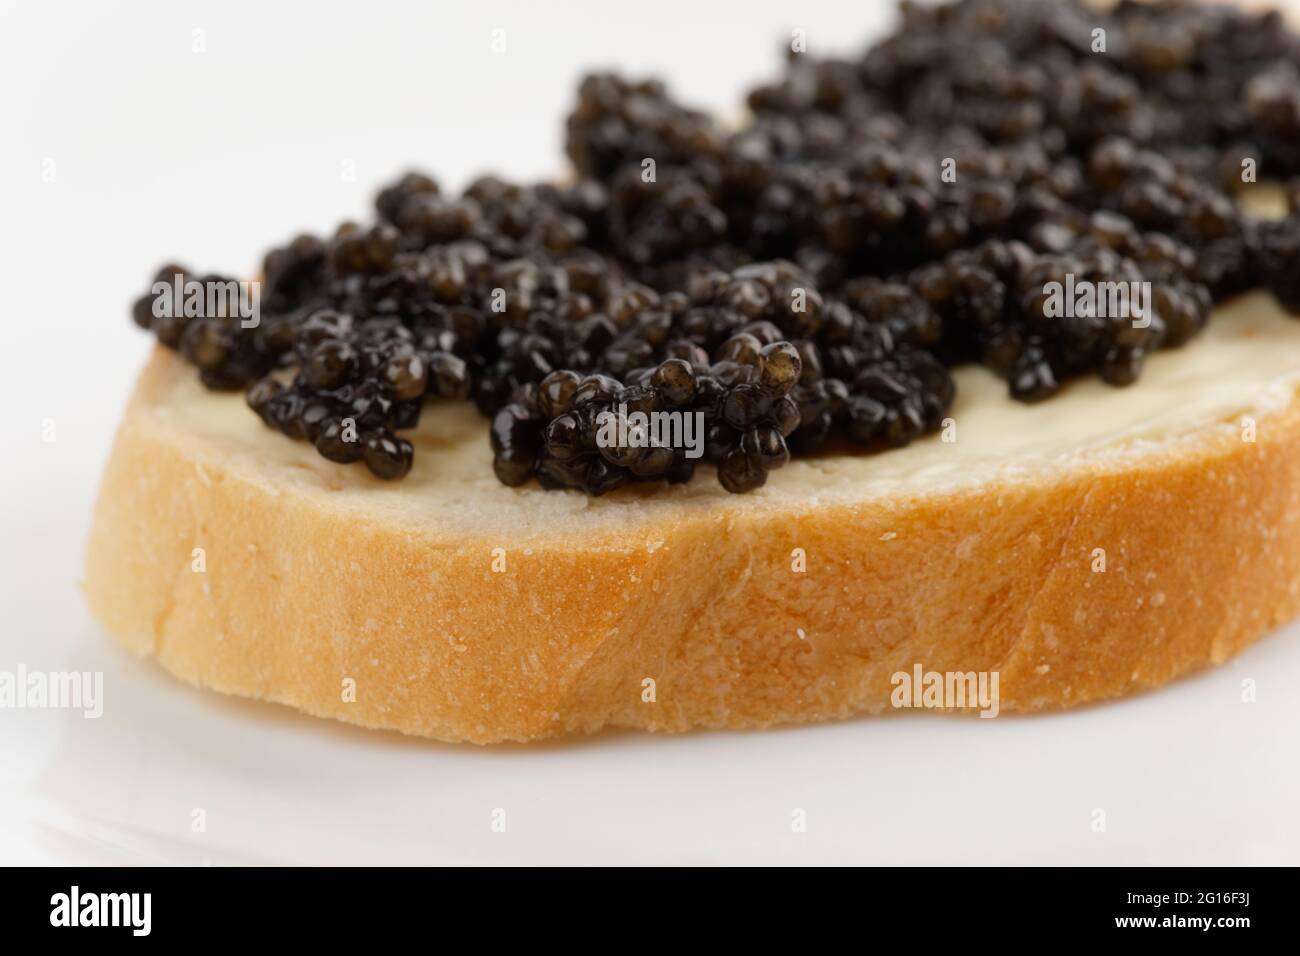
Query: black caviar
[807, 279]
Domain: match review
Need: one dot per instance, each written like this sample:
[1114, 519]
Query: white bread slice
[973, 555]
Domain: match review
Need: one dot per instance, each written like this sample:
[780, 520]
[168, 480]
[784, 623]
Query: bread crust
[1202, 554]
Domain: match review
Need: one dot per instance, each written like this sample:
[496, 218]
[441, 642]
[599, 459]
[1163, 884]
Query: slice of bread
[1100, 543]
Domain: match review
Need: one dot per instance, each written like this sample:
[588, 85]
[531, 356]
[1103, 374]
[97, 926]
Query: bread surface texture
[1104, 542]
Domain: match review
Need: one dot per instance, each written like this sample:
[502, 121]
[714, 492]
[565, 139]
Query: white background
[160, 152]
